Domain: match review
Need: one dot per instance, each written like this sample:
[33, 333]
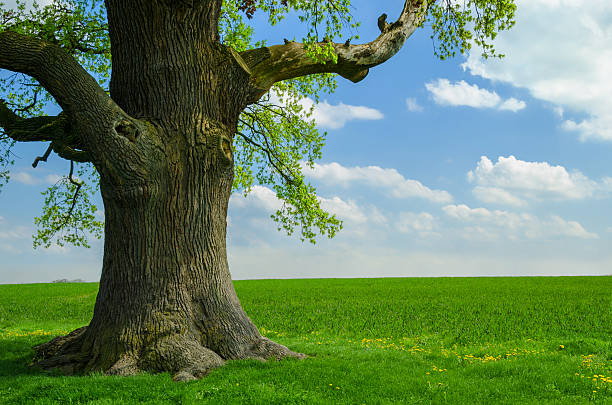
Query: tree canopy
[277, 135]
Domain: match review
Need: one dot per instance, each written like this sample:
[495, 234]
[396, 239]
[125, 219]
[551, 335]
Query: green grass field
[541, 340]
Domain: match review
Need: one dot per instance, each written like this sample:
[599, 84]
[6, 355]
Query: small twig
[288, 179]
[32, 104]
[74, 198]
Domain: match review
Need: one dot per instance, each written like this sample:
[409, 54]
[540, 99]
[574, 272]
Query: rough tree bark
[162, 145]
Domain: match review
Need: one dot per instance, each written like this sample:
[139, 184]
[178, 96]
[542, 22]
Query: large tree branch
[272, 64]
[58, 72]
[90, 117]
[41, 129]
[31, 129]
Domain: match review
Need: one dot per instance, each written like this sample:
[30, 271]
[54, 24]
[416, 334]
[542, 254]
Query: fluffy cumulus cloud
[331, 116]
[29, 179]
[497, 195]
[510, 181]
[463, 94]
[336, 116]
[259, 197]
[412, 105]
[512, 104]
[263, 198]
[485, 224]
[567, 63]
[422, 223]
[24, 178]
[346, 210]
[390, 180]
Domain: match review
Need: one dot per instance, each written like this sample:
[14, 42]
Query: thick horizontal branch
[89, 115]
[58, 72]
[36, 129]
[41, 129]
[272, 64]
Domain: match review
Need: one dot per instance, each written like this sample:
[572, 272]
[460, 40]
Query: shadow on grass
[16, 356]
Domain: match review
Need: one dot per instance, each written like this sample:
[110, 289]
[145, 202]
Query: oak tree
[167, 107]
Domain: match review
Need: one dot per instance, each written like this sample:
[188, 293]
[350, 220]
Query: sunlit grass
[465, 340]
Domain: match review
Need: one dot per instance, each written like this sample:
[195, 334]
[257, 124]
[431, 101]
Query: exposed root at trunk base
[181, 355]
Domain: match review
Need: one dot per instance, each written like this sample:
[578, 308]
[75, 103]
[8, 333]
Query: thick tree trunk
[166, 300]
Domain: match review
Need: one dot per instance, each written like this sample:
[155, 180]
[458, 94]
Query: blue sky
[457, 168]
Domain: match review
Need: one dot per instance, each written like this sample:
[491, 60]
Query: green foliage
[459, 24]
[378, 340]
[80, 28]
[276, 136]
[69, 215]
[5, 159]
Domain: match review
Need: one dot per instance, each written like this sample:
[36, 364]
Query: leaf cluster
[277, 135]
[69, 215]
[459, 24]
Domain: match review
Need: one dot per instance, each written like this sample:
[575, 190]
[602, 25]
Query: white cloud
[567, 63]
[333, 116]
[260, 197]
[486, 224]
[265, 199]
[54, 178]
[413, 105]
[29, 179]
[24, 178]
[389, 179]
[1, 219]
[336, 116]
[496, 195]
[595, 127]
[503, 181]
[512, 104]
[411, 221]
[345, 210]
[461, 93]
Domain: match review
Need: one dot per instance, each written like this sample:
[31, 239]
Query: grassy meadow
[539, 340]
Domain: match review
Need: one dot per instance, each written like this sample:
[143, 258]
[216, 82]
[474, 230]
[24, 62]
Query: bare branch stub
[44, 157]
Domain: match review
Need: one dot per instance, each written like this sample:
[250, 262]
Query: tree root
[264, 349]
[181, 355]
